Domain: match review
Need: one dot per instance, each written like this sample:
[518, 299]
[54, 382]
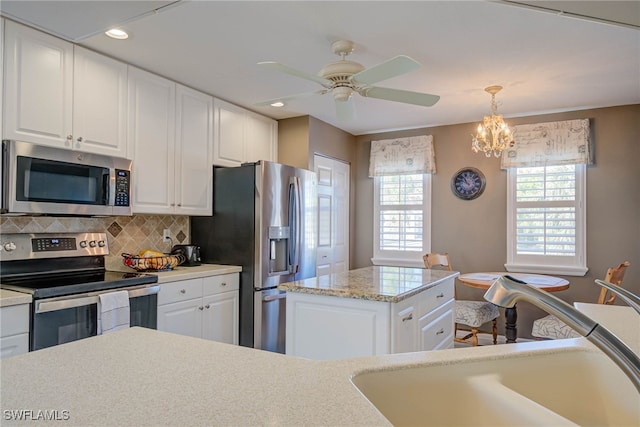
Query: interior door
[333, 215]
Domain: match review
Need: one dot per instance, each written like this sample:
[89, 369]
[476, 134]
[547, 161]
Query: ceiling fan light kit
[344, 77]
[493, 135]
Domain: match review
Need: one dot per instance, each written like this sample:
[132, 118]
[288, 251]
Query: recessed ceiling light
[277, 104]
[116, 33]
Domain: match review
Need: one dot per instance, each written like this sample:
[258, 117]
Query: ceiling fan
[342, 78]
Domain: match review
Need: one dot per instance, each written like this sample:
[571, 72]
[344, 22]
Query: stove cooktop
[70, 283]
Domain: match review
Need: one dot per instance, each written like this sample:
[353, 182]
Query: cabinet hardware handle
[440, 295]
[179, 204]
[201, 308]
[223, 284]
[207, 306]
[79, 139]
[183, 291]
[409, 317]
[69, 137]
[440, 332]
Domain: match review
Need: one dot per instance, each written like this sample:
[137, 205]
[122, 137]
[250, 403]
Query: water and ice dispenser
[278, 250]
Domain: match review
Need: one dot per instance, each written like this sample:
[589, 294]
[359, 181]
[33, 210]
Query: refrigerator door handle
[294, 223]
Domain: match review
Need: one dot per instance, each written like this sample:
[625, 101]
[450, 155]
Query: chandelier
[493, 135]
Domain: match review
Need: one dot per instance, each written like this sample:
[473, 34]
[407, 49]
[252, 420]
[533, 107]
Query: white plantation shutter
[547, 219]
[401, 216]
[402, 219]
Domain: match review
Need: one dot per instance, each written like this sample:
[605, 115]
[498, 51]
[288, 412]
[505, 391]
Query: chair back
[614, 276]
[437, 260]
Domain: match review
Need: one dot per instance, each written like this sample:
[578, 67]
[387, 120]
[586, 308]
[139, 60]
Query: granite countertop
[145, 377]
[8, 298]
[377, 283]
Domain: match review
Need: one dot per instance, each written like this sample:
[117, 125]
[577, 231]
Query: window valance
[402, 156]
[549, 144]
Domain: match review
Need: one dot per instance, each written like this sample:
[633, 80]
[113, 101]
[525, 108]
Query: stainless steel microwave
[38, 179]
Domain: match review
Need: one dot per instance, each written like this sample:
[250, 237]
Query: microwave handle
[110, 188]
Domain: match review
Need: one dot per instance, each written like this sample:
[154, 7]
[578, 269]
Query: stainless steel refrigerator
[264, 219]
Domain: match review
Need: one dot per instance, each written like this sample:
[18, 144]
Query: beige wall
[474, 232]
[293, 142]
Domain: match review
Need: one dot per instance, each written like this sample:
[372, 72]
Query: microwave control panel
[123, 187]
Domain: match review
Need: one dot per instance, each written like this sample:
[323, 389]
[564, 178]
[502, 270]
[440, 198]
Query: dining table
[543, 282]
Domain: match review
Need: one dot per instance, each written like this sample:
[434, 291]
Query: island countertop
[377, 283]
[141, 377]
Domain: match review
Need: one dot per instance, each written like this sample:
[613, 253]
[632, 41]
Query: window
[546, 220]
[402, 219]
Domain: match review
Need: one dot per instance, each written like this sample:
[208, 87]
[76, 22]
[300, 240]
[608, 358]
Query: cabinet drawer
[222, 283]
[14, 320]
[14, 345]
[180, 291]
[434, 297]
[436, 329]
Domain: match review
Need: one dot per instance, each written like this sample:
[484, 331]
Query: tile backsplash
[125, 234]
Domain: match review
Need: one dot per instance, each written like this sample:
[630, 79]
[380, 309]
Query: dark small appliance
[191, 253]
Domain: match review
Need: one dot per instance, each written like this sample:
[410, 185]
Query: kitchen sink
[572, 387]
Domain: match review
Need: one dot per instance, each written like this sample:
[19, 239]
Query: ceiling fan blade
[345, 110]
[399, 65]
[397, 95]
[286, 69]
[291, 97]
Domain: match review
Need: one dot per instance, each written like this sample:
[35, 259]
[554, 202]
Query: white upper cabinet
[99, 103]
[194, 152]
[171, 144]
[151, 136]
[63, 96]
[242, 136]
[261, 138]
[38, 72]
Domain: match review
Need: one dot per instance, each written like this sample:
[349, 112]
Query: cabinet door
[194, 152]
[184, 318]
[220, 317]
[151, 141]
[99, 103]
[261, 138]
[229, 134]
[404, 327]
[38, 73]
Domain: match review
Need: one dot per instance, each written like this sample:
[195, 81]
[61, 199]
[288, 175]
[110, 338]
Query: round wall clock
[468, 183]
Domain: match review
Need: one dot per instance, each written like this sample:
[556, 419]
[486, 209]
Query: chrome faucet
[506, 290]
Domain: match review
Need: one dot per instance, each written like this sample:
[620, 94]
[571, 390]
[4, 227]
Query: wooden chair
[470, 313]
[550, 327]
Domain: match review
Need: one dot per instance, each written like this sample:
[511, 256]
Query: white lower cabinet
[325, 327]
[204, 308]
[14, 331]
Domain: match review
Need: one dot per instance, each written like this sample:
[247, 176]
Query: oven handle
[73, 301]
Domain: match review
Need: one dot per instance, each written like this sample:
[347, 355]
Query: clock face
[468, 183]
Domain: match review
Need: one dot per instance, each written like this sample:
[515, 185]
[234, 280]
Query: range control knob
[101, 243]
[92, 244]
[9, 246]
[83, 244]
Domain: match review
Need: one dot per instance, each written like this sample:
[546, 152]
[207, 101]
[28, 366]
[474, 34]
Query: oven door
[74, 317]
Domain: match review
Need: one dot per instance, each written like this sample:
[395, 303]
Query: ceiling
[547, 61]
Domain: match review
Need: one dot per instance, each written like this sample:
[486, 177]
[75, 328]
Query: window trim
[577, 265]
[402, 258]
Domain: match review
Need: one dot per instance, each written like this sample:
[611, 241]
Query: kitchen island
[369, 311]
